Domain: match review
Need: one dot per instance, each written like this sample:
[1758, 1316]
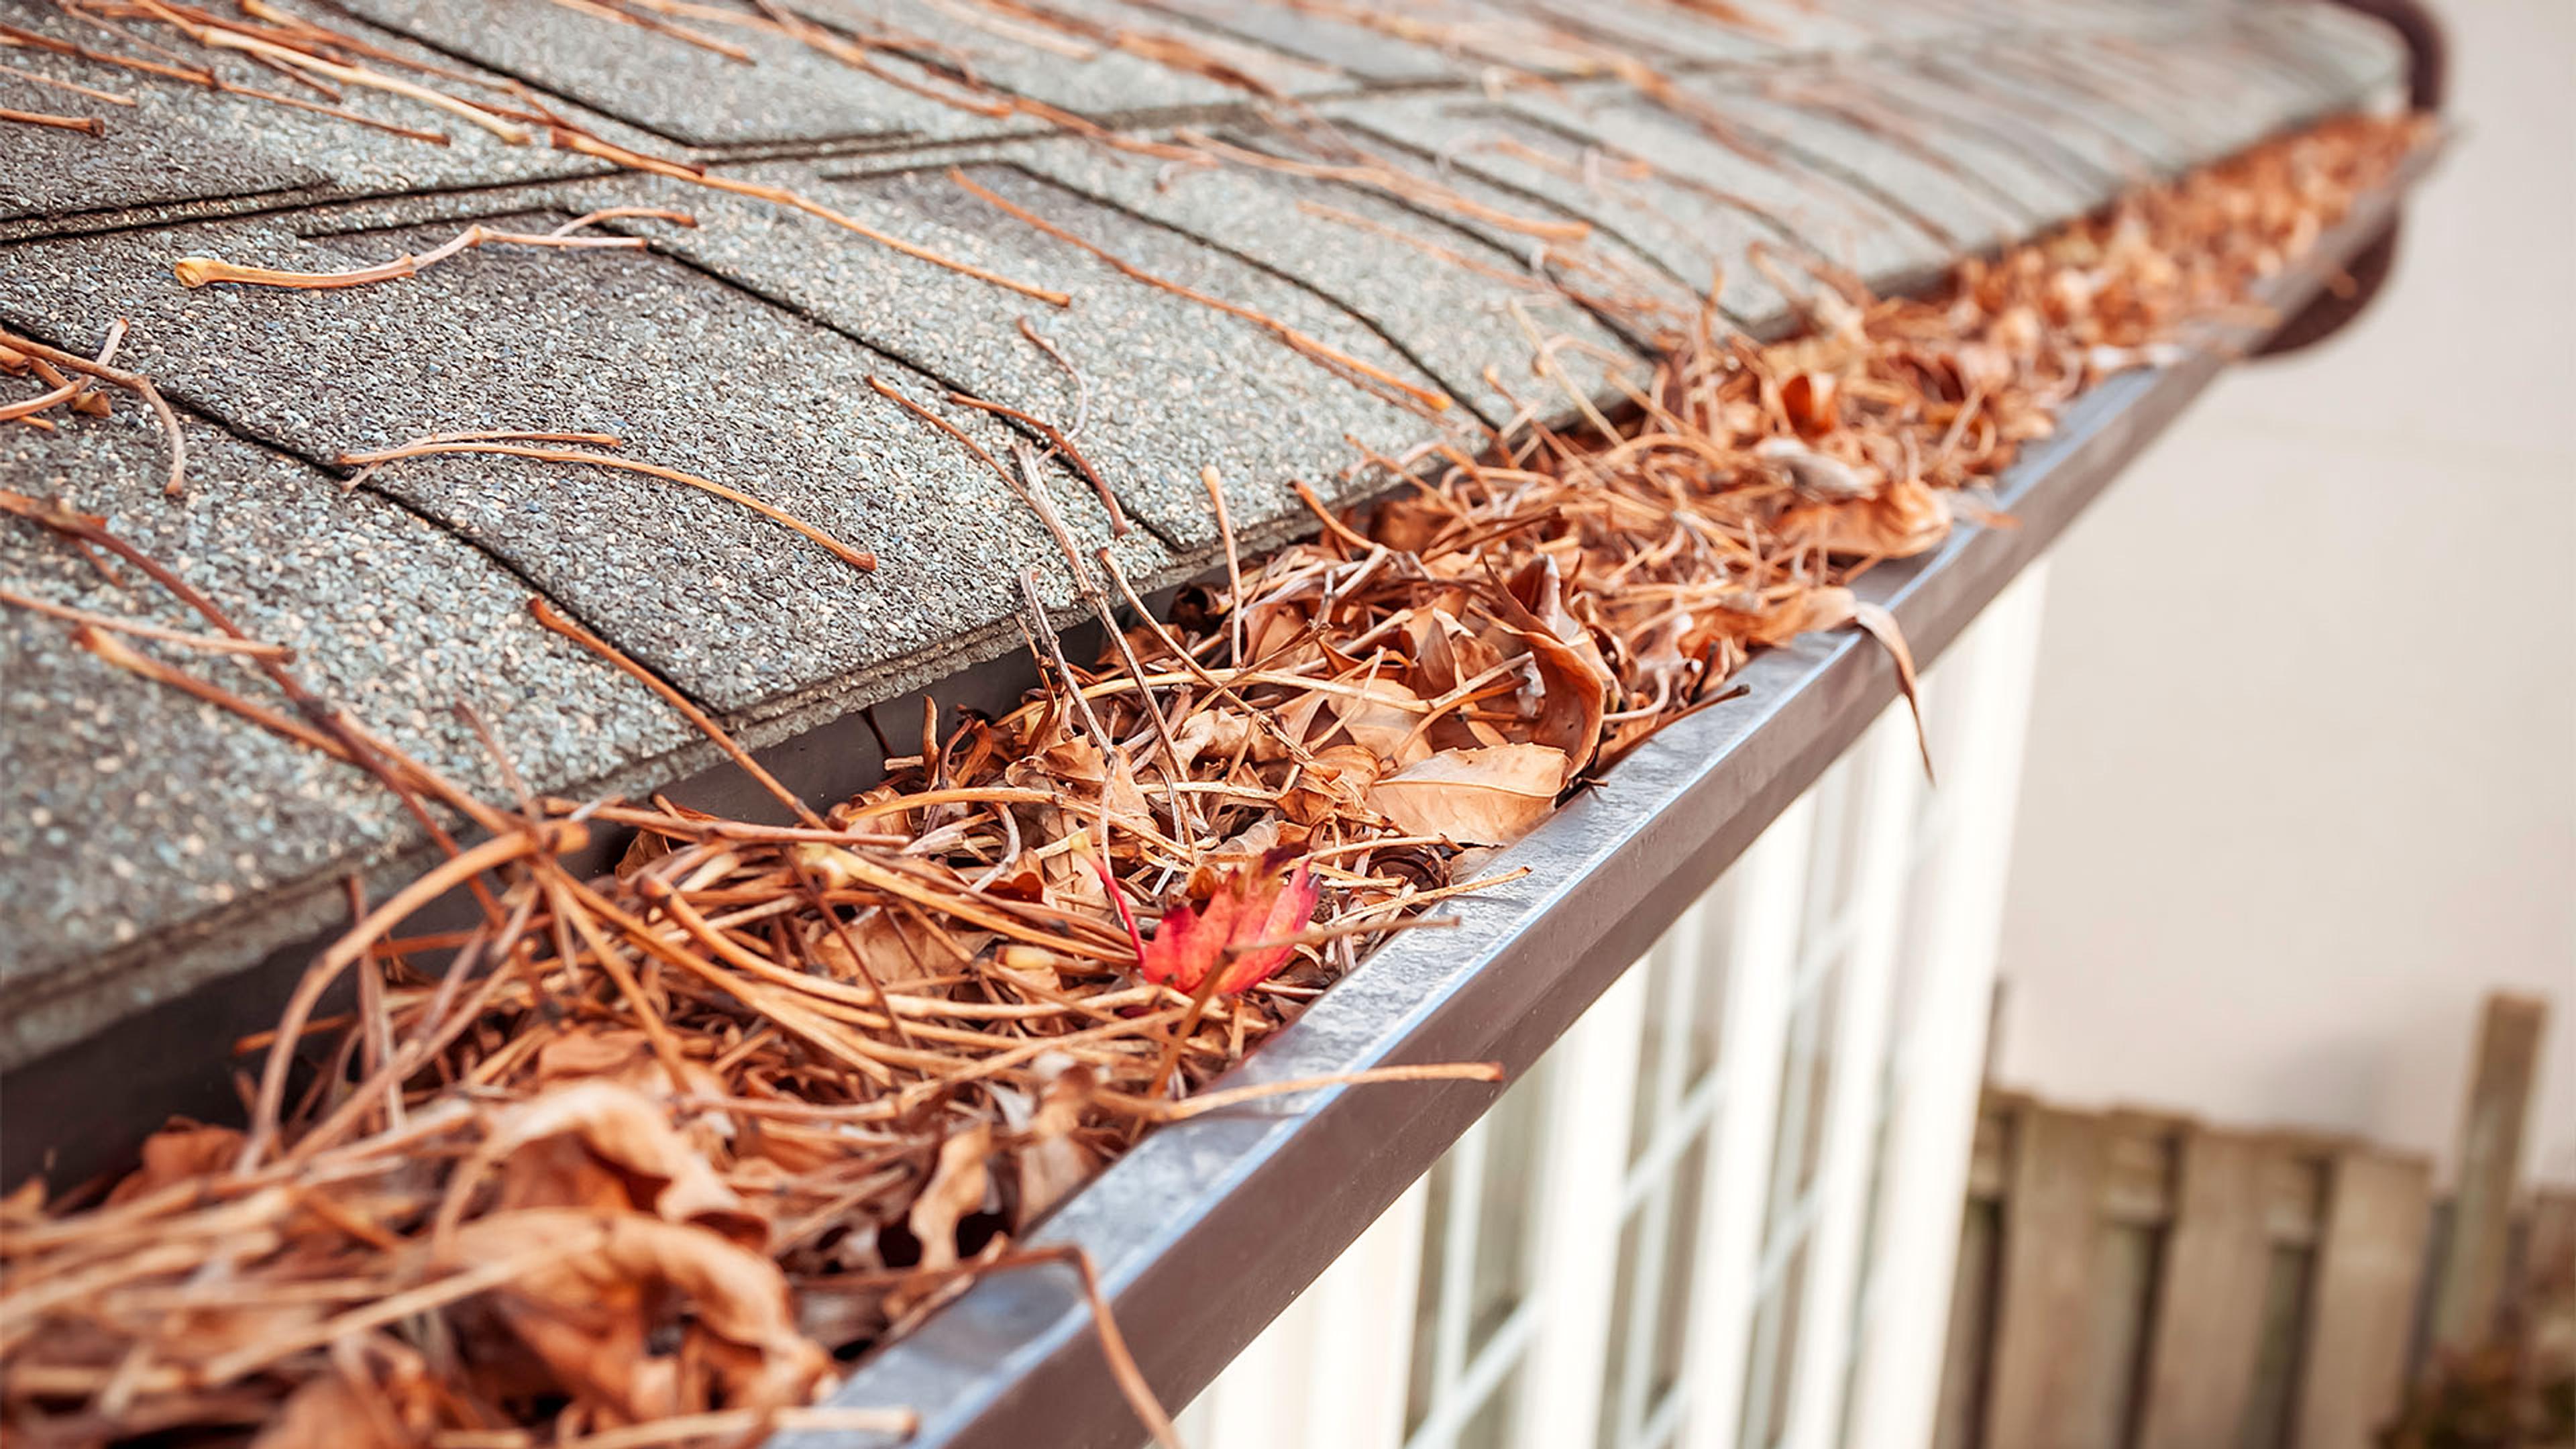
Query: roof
[149, 843]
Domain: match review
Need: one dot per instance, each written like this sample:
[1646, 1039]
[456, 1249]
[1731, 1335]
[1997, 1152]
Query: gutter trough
[1208, 1228]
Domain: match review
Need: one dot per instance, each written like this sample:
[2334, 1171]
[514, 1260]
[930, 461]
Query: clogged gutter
[635, 1159]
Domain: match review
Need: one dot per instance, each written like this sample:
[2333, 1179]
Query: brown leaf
[1052, 1160]
[896, 949]
[627, 1132]
[594, 1314]
[1834, 608]
[1383, 720]
[1574, 693]
[956, 1188]
[1334, 782]
[1483, 796]
[1821, 477]
[1906, 518]
[1810, 399]
[1217, 732]
[180, 1151]
[328, 1413]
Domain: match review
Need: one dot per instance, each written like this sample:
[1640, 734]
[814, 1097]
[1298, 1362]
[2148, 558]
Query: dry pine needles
[639, 1157]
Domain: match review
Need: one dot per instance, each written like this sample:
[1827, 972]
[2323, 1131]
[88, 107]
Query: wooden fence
[2129, 1280]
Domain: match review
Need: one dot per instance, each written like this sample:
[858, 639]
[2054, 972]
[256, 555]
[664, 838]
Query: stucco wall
[2302, 771]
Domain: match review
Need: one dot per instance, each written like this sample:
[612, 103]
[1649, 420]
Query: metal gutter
[1209, 1228]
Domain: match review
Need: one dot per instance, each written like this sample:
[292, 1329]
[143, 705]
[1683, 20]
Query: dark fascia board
[1209, 1228]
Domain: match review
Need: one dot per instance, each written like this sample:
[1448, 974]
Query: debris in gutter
[637, 1159]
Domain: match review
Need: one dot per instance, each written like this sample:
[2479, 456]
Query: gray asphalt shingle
[147, 843]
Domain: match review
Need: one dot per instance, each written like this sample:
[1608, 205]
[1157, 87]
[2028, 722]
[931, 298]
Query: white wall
[2302, 776]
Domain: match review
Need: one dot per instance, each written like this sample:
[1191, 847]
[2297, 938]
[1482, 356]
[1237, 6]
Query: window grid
[1793, 1203]
[1463, 1393]
[1645, 1391]
[1723, 1162]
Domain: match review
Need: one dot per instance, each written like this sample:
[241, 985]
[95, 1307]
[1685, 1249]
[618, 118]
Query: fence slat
[2051, 1220]
[2370, 1261]
[2209, 1309]
[2491, 1128]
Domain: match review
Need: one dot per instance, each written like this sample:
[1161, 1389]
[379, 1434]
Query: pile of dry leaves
[636, 1158]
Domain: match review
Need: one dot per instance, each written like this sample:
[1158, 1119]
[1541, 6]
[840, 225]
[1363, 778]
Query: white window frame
[1880, 1219]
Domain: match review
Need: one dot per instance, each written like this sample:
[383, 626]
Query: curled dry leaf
[182, 1151]
[1906, 518]
[1383, 720]
[635, 1147]
[1484, 796]
[1573, 695]
[957, 1188]
[1818, 476]
[1053, 1159]
[331, 1413]
[1809, 398]
[1332, 785]
[596, 1314]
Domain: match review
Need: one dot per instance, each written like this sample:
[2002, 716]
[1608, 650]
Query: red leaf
[1251, 904]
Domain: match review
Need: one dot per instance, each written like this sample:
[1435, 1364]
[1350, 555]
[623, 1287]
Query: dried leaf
[1265, 901]
[1053, 1162]
[1483, 796]
[1906, 518]
[1333, 783]
[669, 1176]
[180, 1152]
[594, 1314]
[957, 1187]
[327, 1413]
[1383, 719]
[1810, 400]
[1818, 476]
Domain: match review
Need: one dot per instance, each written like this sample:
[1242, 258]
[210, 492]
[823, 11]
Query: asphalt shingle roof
[149, 843]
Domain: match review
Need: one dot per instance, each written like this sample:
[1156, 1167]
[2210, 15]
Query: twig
[1234, 597]
[1429, 399]
[589, 145]
[73, 87]
[1155, 1109]
[91, 124]
[860, 559]
[133, 382]
[206, 271]
[545, 614]
[1118, 525]
[209, 643]
[1081, 384]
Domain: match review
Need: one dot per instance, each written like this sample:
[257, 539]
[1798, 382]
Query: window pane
[1715, 924]
[1426, 1298]
[2276, 1363]
[1913, 951]
[1833, 852]
[1614, 1371]
[1784, 1361]
[1645, 1111]
[1681, 1252]
[1501, 1276]
[1805, 1067]
[2125, 1261]
[1827, 1004]
[1492, 1424]
[1972, 1322]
